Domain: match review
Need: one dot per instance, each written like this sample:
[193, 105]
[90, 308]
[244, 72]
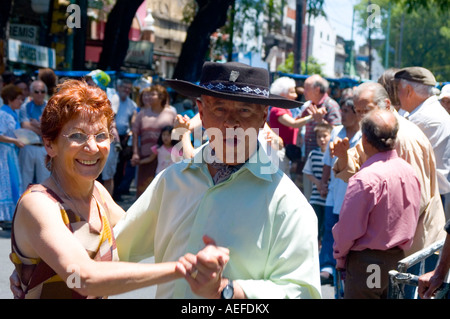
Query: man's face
[311, 93]
[38, 93]
[364, 103]
[124, 90]
[445, 102]
[349, 116]
[403, 92]
[232, 127]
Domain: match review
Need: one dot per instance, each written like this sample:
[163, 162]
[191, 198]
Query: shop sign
[37, 55]
[24, 32]
[140, 53]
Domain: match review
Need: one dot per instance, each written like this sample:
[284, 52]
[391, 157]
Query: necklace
[67, 195]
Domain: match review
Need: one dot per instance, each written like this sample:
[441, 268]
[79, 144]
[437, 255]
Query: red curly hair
[74, 98]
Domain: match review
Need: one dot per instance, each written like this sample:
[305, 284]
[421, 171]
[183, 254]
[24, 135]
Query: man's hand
[182, 122]
[428, 283]
[204, 270]
[316, 113]
[339, 147]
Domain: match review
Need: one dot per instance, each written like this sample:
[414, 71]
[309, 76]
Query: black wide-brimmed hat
[233, 81]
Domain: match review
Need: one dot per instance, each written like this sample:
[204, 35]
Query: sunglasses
[37, 92]
[79, 138]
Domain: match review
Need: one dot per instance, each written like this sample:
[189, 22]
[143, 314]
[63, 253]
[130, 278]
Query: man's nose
[231, 121]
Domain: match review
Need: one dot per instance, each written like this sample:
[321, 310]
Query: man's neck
[38, 104]
[415, 103]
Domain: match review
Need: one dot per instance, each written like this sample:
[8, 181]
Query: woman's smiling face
[78, 160]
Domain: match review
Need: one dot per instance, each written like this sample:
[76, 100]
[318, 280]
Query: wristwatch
[228, 291]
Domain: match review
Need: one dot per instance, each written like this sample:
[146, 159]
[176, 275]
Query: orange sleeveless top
[38, 280]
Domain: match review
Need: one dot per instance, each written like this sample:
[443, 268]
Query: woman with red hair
[63, 245]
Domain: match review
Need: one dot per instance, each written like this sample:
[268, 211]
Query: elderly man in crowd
[231, 192]
[416, 96]
[32, 156]
[379, 215]
[325, 110]
[413, 146]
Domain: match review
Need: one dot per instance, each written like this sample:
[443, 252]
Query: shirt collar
[322, 100]
[259, 164]
[431, 99]
[381, 156]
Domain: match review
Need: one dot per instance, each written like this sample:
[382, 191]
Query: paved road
[6, 268]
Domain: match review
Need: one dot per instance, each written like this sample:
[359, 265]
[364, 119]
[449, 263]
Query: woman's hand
[14, 284]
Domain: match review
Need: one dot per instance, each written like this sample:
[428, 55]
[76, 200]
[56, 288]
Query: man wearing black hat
[414, 89]
[231, 192]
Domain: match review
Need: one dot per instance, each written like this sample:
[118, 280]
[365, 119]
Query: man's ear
[388, 104]
[200, 107]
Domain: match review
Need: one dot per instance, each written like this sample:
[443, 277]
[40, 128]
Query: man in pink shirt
[379, 215]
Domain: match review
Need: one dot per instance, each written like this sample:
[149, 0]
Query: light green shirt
[258, 213]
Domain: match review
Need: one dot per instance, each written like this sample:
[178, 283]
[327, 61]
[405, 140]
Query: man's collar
[430, 99]
[322, 100]
[259, 164]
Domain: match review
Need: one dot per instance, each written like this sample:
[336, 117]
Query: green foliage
[288, 65]
[419, 33]
[314, 67]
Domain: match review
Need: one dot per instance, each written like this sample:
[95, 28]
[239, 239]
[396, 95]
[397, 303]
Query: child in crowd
[313, 170]
[164, 151]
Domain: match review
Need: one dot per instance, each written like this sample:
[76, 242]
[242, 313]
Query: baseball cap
[100, 78]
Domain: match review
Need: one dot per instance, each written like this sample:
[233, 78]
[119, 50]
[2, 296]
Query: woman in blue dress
[10, 180]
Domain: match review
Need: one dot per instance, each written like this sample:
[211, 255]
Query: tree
[313, 66]
[115, 43]
[4, 16]
[211, 15]
[419, 35]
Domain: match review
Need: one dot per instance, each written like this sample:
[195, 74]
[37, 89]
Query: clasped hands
[203, 271]
[317, 113]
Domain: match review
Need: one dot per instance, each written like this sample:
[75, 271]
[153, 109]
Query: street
[6, 268]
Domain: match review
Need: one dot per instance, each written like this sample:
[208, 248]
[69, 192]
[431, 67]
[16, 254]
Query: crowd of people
[375, 167]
